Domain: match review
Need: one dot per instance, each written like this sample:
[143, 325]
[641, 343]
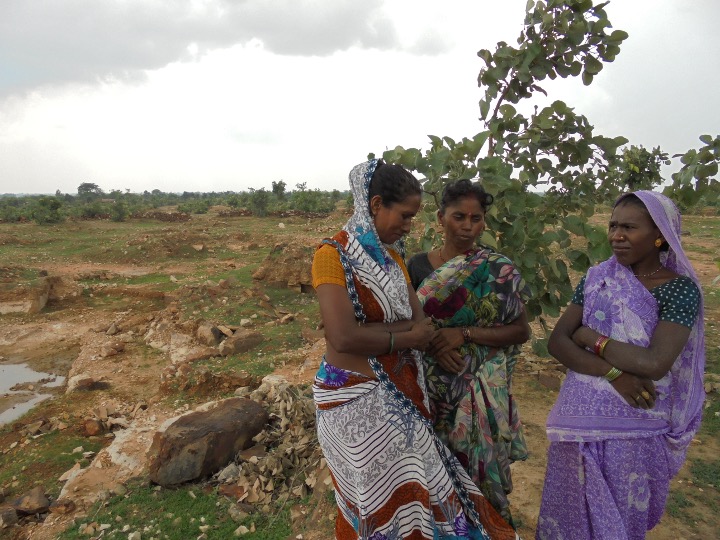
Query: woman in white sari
[393, 478]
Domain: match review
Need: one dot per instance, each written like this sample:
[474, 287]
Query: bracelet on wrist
[600, 344]
[392, 343]
[602, 348]
[613, 374]
[466, 334]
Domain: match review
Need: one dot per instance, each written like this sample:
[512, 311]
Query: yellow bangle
[613, 374]
[601, 350]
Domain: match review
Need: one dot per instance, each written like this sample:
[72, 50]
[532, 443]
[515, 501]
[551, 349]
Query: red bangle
[599, 344]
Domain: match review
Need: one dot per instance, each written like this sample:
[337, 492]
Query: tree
[46, 210]
[259, 201]
[694, 183]
[640, 169]
[119, 210]
[278, 189]
[545, 169]
[89, 190]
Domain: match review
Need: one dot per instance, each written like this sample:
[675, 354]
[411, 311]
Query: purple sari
[614, 461]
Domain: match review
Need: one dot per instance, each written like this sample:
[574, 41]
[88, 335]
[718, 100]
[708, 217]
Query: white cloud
[77, 41]
[217, 95]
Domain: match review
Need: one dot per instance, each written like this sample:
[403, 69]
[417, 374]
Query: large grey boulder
[202, 442]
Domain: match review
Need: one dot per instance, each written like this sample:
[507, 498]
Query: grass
[706, 473]
[711, 421]
[677, 505]
[45, 459]
[178, 514]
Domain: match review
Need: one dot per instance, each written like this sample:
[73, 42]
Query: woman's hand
[422, 333]
[584, 337]
[637, 391]
[446, 340]
[451, 361]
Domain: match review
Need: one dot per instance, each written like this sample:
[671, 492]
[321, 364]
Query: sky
[227, 95]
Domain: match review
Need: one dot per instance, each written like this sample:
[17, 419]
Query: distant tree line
[91, 202]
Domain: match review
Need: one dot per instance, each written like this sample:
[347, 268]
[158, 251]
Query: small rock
[62, 506]
[8, 517]
[119, 422]
[92, 427]
[225, 330]
[67, 474]
[34, 428]
[242, 530]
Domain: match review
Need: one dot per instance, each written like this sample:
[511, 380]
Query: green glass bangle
[392, 343]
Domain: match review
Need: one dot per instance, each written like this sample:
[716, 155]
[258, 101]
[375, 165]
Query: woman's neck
[449, 251]
[646, 268]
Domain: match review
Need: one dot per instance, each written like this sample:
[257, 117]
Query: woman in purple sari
[633, 341]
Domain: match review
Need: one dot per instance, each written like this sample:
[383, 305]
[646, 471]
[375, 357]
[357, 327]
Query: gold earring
[658, 242]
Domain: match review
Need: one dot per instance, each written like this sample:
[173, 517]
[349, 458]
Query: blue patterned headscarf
[361, 224]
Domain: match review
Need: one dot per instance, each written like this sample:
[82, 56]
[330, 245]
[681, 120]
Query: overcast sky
[226, 95]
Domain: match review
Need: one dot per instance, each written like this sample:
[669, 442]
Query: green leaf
[587, 78]
[488, 239]
[574, 224]
[560, 107]
[484, 109]
[507, 110]
[592, 65]
[618, 35]
[485, 55]
[475, 144]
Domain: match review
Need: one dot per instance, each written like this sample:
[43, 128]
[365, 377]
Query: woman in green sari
[476, 298]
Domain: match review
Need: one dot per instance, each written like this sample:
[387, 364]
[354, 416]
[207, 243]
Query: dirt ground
[66, 338]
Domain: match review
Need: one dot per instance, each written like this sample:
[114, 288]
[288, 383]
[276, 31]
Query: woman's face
[463, 221]
[632, 234]
[394, 221]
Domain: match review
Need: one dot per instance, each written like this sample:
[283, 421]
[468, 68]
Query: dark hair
[634, 200]
[454, 191]
[393, 183]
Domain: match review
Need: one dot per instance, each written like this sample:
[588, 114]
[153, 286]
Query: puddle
[15, 403]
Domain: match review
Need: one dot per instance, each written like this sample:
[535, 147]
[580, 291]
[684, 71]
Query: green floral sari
[474, 411]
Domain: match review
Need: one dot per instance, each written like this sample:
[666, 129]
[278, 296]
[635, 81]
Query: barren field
[112, 315]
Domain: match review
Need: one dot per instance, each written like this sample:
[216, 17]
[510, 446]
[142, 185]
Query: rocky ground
[139, 360]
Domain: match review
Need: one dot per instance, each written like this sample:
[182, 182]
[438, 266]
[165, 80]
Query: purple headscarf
[618, 305]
